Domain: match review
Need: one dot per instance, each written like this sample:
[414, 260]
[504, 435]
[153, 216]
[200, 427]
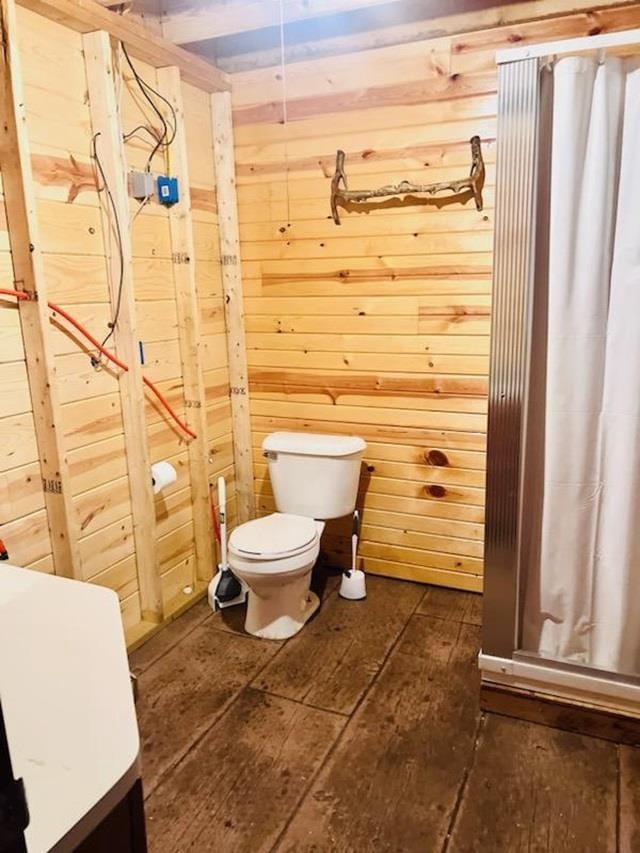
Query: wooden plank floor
[363, 733]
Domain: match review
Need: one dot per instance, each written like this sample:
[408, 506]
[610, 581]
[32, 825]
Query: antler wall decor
[474, 183]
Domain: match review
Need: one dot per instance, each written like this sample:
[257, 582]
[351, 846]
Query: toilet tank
[314, 475]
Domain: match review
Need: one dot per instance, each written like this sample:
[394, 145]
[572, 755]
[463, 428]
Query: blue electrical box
[167, 189]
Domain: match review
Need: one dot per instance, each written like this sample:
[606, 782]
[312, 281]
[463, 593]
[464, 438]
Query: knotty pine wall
[380, 327]
[69, 218]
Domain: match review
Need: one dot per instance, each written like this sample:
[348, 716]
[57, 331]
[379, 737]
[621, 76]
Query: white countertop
[66, 697]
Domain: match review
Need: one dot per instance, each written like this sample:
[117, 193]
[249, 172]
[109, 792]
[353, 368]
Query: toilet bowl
[274, 557]
[314, 478]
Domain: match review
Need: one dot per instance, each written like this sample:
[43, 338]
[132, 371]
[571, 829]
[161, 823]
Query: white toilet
[314, 478]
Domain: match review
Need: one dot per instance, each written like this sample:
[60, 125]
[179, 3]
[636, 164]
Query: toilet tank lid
[313, 444]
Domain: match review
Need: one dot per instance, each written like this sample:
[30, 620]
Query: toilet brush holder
[352, 585]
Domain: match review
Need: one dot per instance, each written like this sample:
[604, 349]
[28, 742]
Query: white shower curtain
[589, 574]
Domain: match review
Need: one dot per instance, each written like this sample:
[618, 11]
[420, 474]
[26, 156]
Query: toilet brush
[225, 590]
[352, 584]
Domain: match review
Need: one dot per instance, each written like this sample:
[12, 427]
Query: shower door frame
[521, 137]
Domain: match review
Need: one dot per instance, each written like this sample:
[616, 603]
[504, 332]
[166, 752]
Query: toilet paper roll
[162, 475]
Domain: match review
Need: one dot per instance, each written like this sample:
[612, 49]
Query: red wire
[19, 294]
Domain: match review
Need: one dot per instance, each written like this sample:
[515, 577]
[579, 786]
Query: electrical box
[167, 190]
[141, 184]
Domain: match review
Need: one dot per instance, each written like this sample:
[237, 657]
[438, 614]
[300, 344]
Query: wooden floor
[363, 733]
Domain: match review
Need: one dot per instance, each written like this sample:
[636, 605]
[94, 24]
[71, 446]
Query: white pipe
[222, 514]
[354, 540]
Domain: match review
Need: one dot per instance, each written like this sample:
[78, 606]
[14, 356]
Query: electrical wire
[164, 140]
[169, 131]
[115, 224]
[143, 203]
[135, 134]
[285, 117]
[21, 295]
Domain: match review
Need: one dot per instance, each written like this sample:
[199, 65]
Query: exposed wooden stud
[26, 252]
[183, 251]
[234, 312]
[107, 131]
[87, 16]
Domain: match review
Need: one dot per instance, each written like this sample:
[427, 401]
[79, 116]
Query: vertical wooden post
[24, 239]
[107, 132]
[182, 248]
[234, 310]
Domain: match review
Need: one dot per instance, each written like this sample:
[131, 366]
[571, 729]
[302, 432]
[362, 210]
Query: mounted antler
[341, 194]
[337, 193]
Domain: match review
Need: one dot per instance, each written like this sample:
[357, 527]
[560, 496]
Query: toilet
[314, 478]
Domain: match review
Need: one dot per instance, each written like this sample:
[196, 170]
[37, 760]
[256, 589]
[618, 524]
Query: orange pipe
[19, 294]
[76, 325]
[166, 405]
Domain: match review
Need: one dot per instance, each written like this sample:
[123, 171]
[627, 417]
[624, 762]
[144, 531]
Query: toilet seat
[275, 544]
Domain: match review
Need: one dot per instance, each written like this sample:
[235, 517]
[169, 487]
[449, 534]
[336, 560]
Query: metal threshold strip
[613, 693]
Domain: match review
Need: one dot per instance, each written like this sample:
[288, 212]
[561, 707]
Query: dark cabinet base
[122, 829]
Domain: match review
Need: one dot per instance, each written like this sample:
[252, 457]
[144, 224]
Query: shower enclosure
[562, 577]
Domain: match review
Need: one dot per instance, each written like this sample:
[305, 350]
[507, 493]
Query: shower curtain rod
[554, 48]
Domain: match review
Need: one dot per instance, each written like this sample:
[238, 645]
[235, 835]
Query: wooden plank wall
[69, 217]
[380, 327]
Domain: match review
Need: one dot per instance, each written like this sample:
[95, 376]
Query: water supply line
[101, 349]
[19, 294]
[23, 295]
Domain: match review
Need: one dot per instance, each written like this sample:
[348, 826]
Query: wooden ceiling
[239, 35]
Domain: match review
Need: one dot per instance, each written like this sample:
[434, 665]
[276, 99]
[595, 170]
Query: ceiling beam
[395, 21]
[198, 20]
[401, 22]
[86, 16]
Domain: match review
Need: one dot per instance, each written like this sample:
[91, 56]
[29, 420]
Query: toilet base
[269, 622]
[280, 601]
